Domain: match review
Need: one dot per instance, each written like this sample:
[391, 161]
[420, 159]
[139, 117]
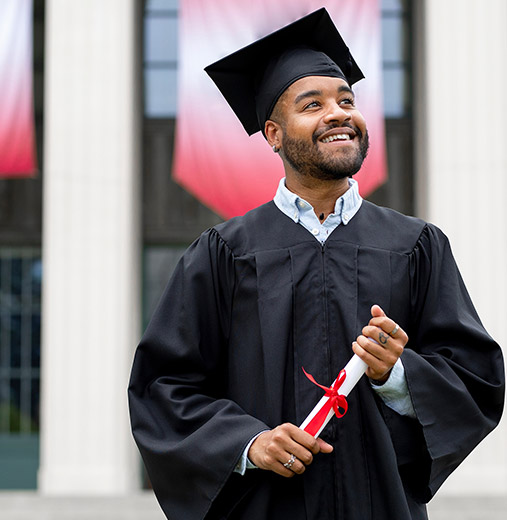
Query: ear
[273, 132]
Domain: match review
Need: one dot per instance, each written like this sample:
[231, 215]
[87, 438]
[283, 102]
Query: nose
[336, 113]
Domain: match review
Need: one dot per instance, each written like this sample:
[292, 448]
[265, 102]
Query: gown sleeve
[454, 369]
[189, 436]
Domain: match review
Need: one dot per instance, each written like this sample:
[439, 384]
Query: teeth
[337, 137]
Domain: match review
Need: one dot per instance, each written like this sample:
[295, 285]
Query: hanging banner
[215, 159]
[17, 133]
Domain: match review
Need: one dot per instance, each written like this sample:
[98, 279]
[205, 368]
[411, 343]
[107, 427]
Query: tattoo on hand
[382, 338]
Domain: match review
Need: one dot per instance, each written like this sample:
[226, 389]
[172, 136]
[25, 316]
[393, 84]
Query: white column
[461, 137]
[91, 244]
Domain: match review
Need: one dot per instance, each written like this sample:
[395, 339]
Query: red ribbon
[335, 401]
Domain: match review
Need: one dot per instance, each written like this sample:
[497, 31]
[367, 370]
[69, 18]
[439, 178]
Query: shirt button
[296, 215]
[301, 204]
[315, 231]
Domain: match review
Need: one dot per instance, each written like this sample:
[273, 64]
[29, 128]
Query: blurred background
[88, 241]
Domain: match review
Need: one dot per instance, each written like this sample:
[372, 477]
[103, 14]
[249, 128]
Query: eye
[312, 104]
[347, 101]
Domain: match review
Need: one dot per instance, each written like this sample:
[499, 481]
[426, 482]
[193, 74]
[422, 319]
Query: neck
[322, 195]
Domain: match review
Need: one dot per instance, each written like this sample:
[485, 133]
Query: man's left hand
[387, 346]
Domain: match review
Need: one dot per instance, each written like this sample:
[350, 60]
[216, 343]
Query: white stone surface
[137, 506]
[462, 181]
[29, 506]
[91, 296]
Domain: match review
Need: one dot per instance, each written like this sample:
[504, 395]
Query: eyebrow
[313, 93]
[307, 94]
[345, 88]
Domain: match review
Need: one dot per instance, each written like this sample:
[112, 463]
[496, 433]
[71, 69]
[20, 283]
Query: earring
[275, 149]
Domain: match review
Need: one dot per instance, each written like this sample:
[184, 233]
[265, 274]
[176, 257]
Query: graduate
[218, 391]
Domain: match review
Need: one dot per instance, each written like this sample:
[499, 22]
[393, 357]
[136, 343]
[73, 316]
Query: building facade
[114, 223]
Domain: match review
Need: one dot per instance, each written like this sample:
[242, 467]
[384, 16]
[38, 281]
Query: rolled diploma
[354, 370]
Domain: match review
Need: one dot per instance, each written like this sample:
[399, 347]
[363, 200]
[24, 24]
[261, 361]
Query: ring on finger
[395, 330]
[290, 462]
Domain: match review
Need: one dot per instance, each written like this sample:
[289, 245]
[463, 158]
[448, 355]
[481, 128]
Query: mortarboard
[253, 78]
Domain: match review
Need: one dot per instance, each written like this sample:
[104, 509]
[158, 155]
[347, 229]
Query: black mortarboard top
[253, 78]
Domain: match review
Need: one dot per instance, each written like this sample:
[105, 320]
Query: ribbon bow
[335, 402]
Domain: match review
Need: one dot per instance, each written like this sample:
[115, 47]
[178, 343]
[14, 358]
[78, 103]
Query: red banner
[17, 134]
[215, 159]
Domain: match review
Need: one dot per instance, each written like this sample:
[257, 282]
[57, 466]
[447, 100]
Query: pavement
[22, 505]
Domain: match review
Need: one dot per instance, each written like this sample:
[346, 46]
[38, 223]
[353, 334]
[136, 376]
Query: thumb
[324, 446]
[377, 312]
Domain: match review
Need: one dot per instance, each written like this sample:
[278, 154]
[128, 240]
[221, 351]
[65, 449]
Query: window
[398, 191]
[395, 58]
[20, 319]
[160, 37]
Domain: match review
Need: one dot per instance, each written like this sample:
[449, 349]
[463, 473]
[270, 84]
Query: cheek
[360, 122]
[299, 130]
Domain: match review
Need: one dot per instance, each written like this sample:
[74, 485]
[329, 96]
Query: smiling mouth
[337, 137]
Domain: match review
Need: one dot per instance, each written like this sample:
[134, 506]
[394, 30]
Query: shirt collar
[293, 205]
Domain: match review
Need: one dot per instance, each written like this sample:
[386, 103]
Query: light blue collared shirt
[394, 392]
[301, 211]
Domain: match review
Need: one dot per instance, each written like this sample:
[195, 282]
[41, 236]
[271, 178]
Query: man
[217, 390]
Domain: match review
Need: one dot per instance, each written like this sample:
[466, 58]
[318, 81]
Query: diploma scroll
[342, 385]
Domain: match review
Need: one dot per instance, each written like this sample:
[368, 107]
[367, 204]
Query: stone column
[461, 137]
[91, 245]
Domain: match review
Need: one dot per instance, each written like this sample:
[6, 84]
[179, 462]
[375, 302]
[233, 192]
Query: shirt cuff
[244, 462]
[394, 392]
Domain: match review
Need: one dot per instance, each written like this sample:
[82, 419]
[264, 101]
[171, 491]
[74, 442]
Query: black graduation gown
[257, 298]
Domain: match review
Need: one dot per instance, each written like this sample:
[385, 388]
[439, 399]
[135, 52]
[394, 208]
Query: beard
[307, 159]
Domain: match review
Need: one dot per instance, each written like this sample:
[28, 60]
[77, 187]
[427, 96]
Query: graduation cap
[253, 78]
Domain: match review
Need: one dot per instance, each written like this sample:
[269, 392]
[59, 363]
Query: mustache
[322, 131]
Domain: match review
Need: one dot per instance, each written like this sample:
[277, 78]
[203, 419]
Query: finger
[305, 454]
[304, 446]
[305, 439]
[386, 350]
[280, 469]
[378, 364]
[370, 348]
[302, 454]
[389, 326]
[382, 322]
[324, 446]
[377, 369]
[296, 466]
[376, 311]
[378, 335]
[274, 448]
[269, 448]
[281, 463]
[289, 438]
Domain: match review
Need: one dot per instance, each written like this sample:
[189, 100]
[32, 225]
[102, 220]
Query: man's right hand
[272, 449]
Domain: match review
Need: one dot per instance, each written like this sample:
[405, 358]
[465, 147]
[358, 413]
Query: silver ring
[291, 461]
[394, 331]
